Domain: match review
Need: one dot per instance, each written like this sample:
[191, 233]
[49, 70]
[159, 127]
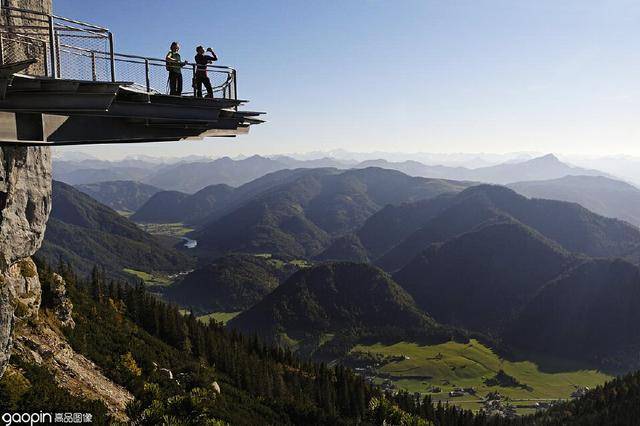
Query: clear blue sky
[434, 76]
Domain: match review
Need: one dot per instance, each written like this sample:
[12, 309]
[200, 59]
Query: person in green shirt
[174, 66]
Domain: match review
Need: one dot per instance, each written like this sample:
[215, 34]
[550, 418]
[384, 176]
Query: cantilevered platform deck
[40, 104]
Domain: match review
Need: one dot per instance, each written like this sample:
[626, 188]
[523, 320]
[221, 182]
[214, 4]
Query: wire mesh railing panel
[23, 35]
[132, 70]
[76, 64]
[151, 74]
[14, 48]
[159, 78]
[221, 81]
[77, 57]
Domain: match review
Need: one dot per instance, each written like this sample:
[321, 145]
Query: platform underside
[45, 111]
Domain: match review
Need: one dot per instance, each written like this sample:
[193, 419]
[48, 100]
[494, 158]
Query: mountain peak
[549, 158]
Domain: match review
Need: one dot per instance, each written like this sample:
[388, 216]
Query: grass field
[452, 364]
[149, 279]
[279, 263]
[222, 317]
[177, 229]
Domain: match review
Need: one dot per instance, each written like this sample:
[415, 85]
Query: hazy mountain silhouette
[124, 195]
[545, 167]
[602, 195]
[192, 177]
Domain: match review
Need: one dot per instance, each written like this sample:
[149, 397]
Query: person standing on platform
[201, 76]
[174, 66]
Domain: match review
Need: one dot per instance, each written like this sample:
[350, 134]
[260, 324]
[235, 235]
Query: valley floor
[469, 365]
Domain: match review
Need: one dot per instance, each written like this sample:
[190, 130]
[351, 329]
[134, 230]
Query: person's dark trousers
[200, 80]
[175, 83]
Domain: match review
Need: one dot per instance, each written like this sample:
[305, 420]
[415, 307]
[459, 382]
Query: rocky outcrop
[61, 305]
[40, 344]
[25, 203]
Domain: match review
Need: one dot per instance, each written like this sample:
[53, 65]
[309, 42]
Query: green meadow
[465, 365]
[222, 317]
[177, 229]
[149, 279]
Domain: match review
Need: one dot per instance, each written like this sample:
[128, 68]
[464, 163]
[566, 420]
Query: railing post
[235, 88]
[46, 62]
[52, 48]
[58, 58]
[193, 79]
[94, 73]
[1, 50]
[112, 59]
[146, 74]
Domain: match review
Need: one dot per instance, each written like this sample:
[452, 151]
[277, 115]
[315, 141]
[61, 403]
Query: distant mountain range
[602, 195]
[122, 195]
[475, 256]
[86, 233]
[183, 176]
[397, 233]
[546, 167]
[575, 228]
[299, 217]
[192, 176]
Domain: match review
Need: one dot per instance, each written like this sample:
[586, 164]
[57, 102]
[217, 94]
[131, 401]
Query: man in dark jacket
[201, 76]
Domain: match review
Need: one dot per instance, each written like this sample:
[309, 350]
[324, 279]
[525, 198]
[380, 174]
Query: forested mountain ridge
[231, 283]
[602, 195]
[166, 360]
[481, 279]
[572, 226]
[175, 206]
[507, 280]
[299, 217]
[83, 231]
[614, 403]
[335, 298]
[588, 313]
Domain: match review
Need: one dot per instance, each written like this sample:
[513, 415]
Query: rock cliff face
[25, 203]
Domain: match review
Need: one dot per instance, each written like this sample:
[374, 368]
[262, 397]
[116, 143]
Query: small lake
[189, 243]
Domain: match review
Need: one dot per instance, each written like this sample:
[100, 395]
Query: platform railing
[71, 49]
[19, 25]
[150, 74]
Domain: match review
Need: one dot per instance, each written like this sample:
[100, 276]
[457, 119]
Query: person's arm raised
[214, 57]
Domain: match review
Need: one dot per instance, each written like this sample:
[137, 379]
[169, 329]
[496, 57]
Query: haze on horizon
[416, 76]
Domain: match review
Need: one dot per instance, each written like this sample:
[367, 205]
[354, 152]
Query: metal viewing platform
[62, 83]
